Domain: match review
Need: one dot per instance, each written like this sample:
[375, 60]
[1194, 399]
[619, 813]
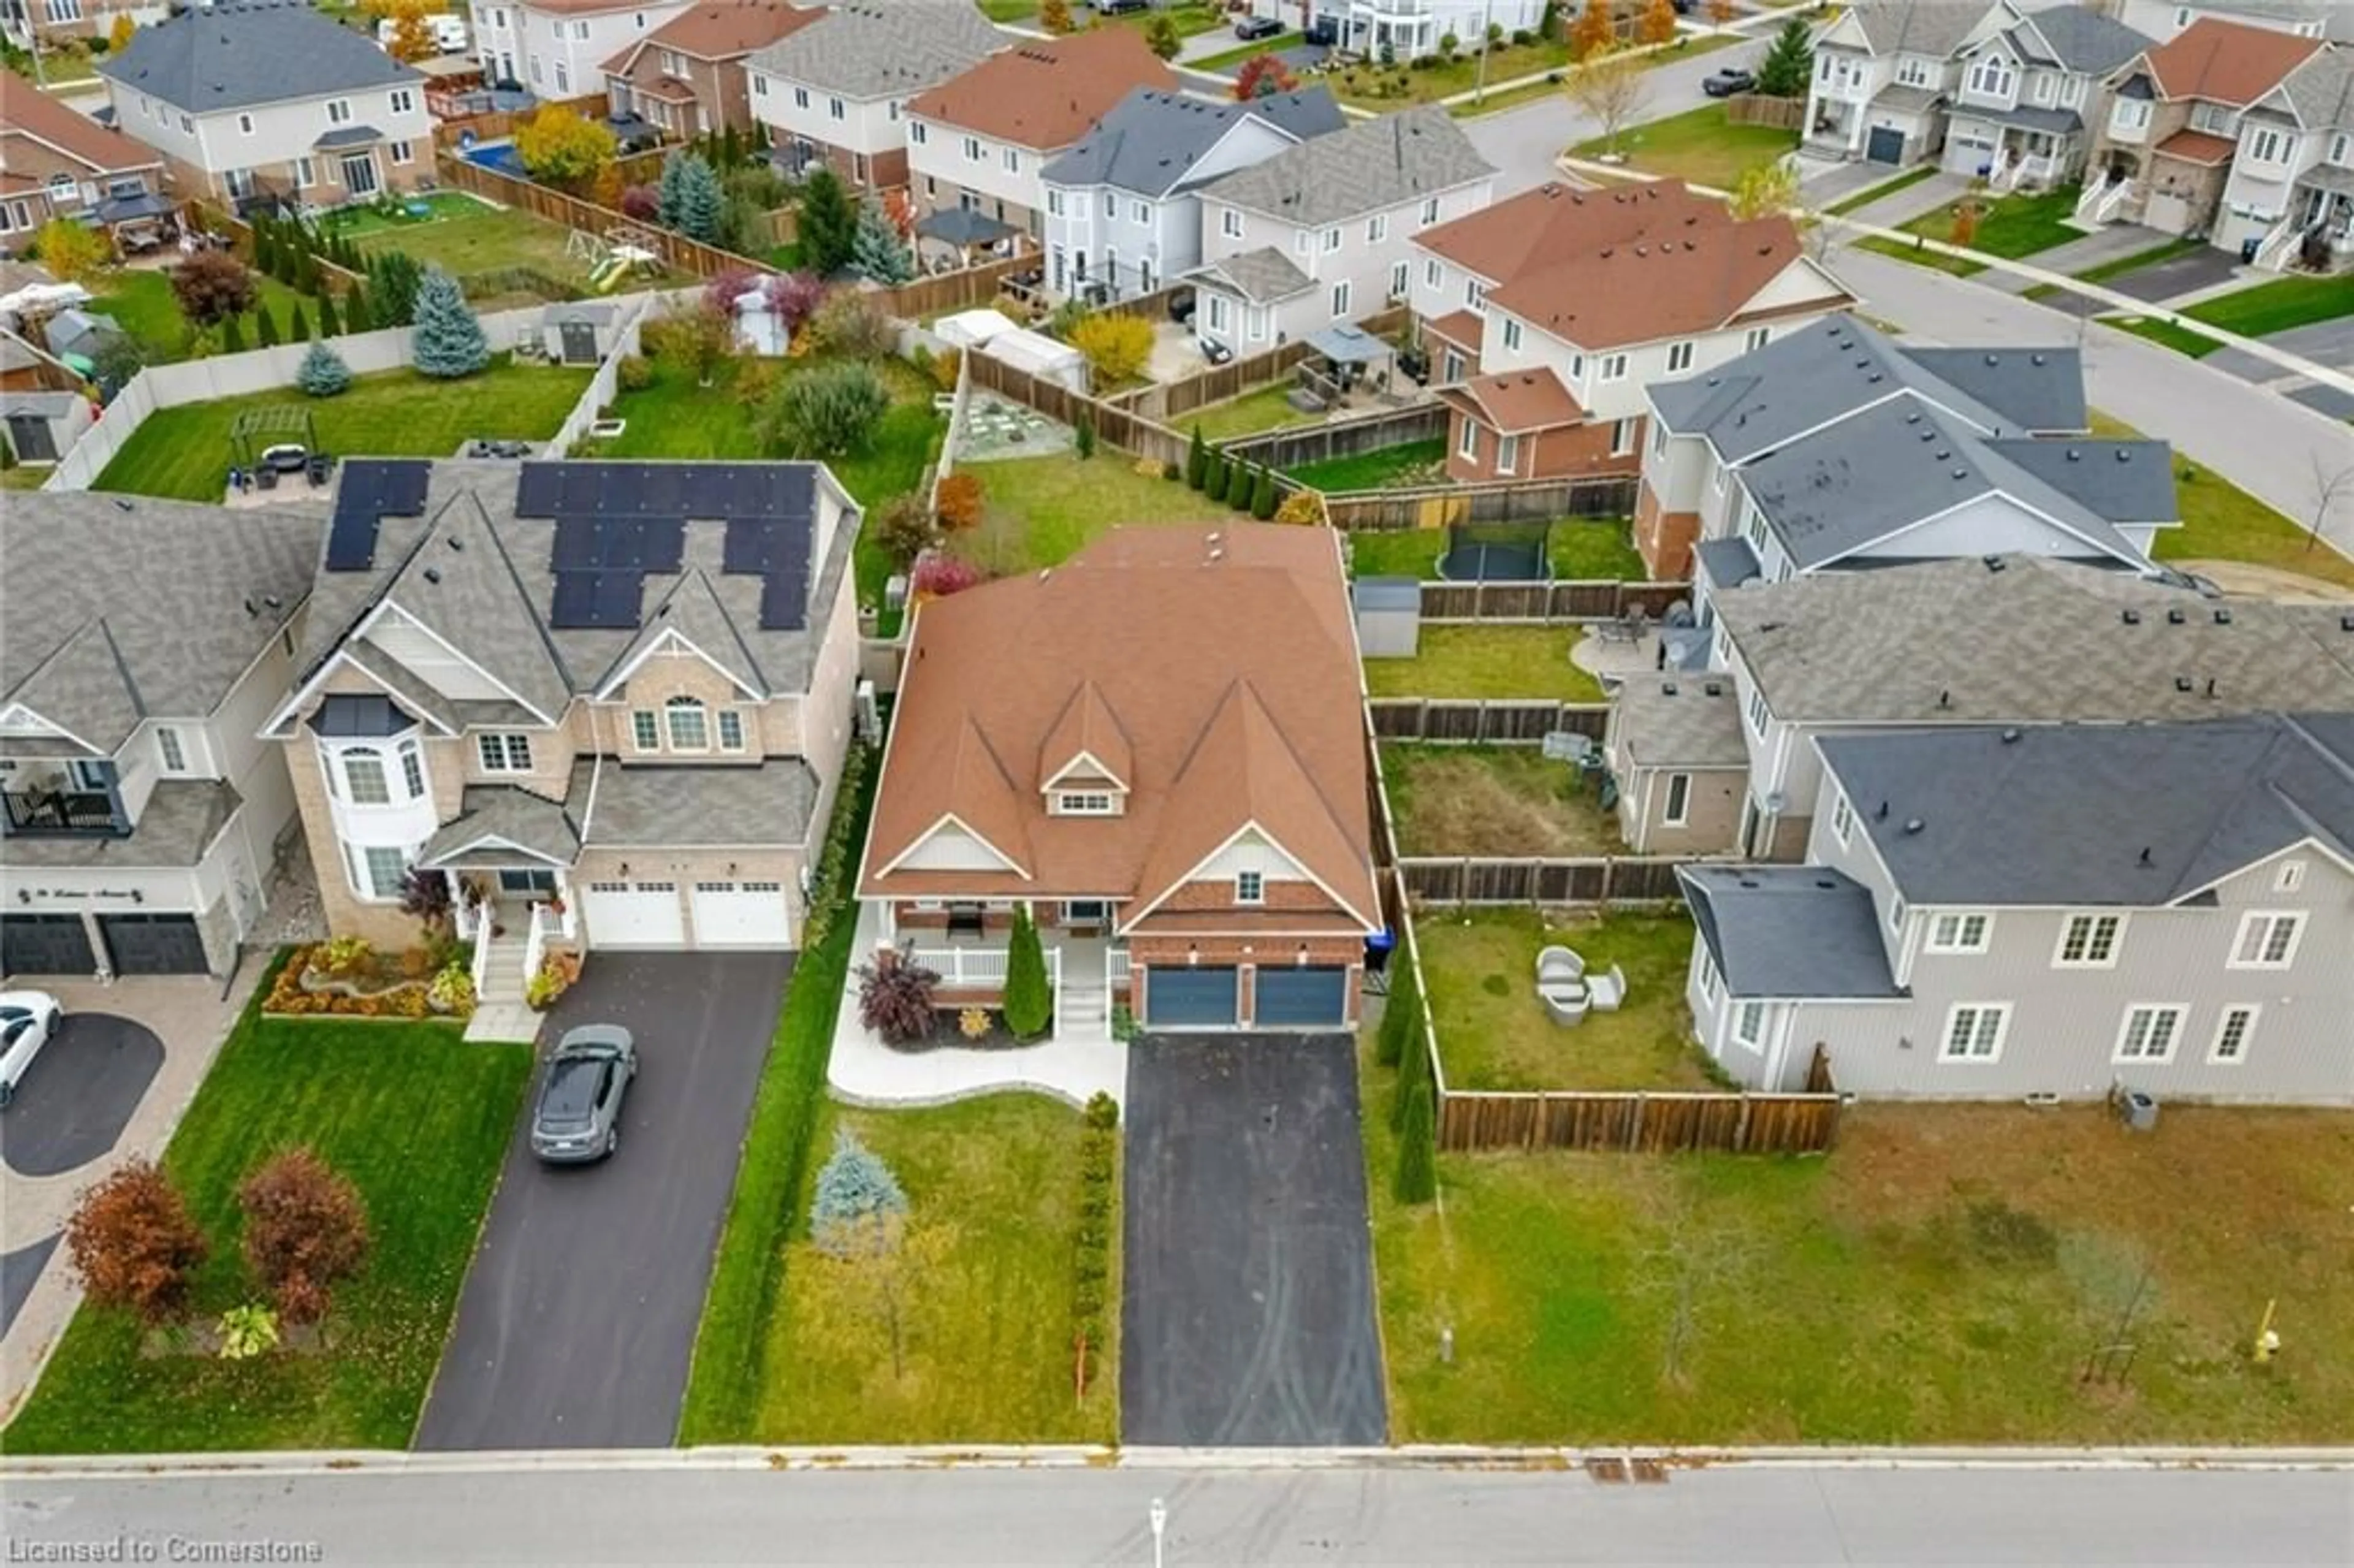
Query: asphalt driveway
[578, 1316]
[1247, 1316]
[2200, 269]
[78, 1094]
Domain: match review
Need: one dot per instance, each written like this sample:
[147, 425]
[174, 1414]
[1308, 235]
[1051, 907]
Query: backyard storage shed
[970, 329]
[42, 427]
[1040, 356]
[578, 333]
[1389, 617]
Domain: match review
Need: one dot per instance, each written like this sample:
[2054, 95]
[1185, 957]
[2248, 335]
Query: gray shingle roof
[2078, 39]
[1901, 462]
[1730, 560]
[490, 596]
[769, 804]
[1372, 165]
[176, 826]
[2121, 482]
[505, 815]
[1905, 99]
[1261, 276]
[2032, 388]
[1789, 931]
[347, 136]
[1151, 139]
[2321, 90]
[876, 50]
[2036, 641]
[2097, 814]
[235, 55]
[118, 609]
[1934, 27]
[1686, 721]
[2027, 117]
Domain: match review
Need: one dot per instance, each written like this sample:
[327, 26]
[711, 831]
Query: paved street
[1522, 142]
[1726, 1514]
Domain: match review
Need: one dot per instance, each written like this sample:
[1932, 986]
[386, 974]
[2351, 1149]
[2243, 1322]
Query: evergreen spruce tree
[323, 373]
[669, 204]
[265, 246]
[232, 336]
[1197, 460]
[876, 249]
[700, 201]
[1414, 1068]
[856, 1200]
[1213, 474]
[1790, 64]
[450, 340]
[827, 223]
[1029, 998]
[265, 327]
[1417, 1178]
[1401, 1012]
[1239, 480]
[354, 312]
[298, 326]
[1263, 494]
[393, 279]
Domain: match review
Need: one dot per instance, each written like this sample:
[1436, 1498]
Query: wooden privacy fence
[1343, 438]
[1513, 501]
[1113, 426]
[1592, 880]
[945, 292]
[1482, 720]
[497, 124]
[1582, 599]
[1218, 383]
[676, 250]
[1639, 1122]
[1754, 109]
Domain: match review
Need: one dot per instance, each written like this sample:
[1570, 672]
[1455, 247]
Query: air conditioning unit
[869, 717]
[1777, 803]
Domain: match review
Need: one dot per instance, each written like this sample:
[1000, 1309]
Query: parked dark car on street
[1120, 8]
[1254, 27]
[577, 1116]
[1727, 82]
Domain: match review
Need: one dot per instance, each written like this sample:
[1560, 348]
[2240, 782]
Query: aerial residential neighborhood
[882, 780]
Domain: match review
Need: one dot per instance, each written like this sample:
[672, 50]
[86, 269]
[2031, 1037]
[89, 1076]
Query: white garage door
[634, 914]
[741, 915]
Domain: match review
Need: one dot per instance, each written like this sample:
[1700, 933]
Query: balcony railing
[83, 812]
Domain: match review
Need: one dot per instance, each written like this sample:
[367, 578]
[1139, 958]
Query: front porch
[2013, 157]
[2317, 233]
[513, 915]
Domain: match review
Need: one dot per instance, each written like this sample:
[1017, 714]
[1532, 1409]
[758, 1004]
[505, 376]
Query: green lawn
[1577, 548]
[466, 236]
[1191, 16]
[2012, 226]
[1698, 146]
[2278, 306]
[987, 1322]
[1411, 462]
[414, 1115]
[1009, 10]
[1870, 194]
[2166, 334]
[184, 452]
[1487, 661]
[1232, 59]
[2220, 522]
[1938, 1279]
[141, 303]
[726, 1383]
[1252, 414]
[1919, 256]
[1362, 85]
[1039, 511]
[1505, 801]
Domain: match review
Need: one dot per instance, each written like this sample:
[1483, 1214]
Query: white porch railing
[2271, 256]
[2005, 173]
[2088, 205]
[2113, 198]
[1115, 970]
[481, 939]
[978, 967]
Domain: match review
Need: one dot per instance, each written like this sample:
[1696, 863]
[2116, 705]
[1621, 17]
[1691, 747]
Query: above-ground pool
[1509, 554]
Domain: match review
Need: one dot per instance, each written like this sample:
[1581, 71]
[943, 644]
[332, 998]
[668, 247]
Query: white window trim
[1959, 946]
[1742, 1013]
[2289, 877]
[672, 710]
[2116, 940]
[722, 721]
[2254, 1012]
[2178, 1011]
[1842, 819]
[1469, 445]
[1250, 887]
[1679, 357]
[1671, 814]
[1945, 1052]
[2247, 925]
[171, 750]
[1085, 803]
[493, 751]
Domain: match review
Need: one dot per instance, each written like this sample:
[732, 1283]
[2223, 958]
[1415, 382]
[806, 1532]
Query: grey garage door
[154, 944]
[1190, 998]
[1886, 146]
[1297, 999]
[45, 945]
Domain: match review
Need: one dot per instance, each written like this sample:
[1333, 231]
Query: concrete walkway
[864, 1071]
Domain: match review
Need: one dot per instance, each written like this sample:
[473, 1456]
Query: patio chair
[1607, 991]
[1566, 1004]
[1559, 965]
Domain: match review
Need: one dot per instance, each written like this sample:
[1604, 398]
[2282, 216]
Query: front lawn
[140, 300]
[2010, 226]
[1191, 16]
[1920, 255]
[1252, 414]
[1501, 662]
[1479, 970]
[2220, 522]
[2278, 306]
[988, 1354]
[1496, 802]
[1941, 1278]
[419, 1120]
[1230, 60]
[1699, 147]
[1576, 548]
[2166, 334]
[184, 452]
[1886, 188]
[1364, 85]
[1408, 463]
[1040, 511]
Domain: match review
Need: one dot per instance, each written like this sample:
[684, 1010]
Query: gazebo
[1349, 355]
[962, 231]
[275, 442]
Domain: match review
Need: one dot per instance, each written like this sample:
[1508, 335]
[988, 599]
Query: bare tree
[1611, 87]
[2329, 487]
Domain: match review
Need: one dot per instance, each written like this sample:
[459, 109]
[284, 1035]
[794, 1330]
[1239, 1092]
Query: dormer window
[1085, 803]
[690, 728]
[1250, 887]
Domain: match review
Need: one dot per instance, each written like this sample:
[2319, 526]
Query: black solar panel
[575, 602]
[617, 522]
[371, 489]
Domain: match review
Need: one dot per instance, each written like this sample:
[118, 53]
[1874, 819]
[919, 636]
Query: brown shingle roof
[1087, 730]
[2226, 62]
[1224, 660]
[1046, 94]
[721, 32]
[26, 113]
[1515, 401]
[1653, 288]
[1554, 221]
[2197, 147]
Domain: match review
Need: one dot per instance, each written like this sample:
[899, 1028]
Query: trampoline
[1495, 553]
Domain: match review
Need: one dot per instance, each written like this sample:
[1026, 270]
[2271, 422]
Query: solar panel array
[617, 522]
[371, 489]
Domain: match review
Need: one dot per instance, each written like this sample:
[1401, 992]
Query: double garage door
[135, 945]
[654, 915]
[1208, 998]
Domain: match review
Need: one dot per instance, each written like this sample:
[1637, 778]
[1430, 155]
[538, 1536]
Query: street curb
[1067, 1458]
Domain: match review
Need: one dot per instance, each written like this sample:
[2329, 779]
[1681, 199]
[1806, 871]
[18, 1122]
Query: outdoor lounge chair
[1567, 1003]
[1559, 965]
[1607, 990]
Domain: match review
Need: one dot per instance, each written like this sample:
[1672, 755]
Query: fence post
[1741, 1127]
[1634, 1132]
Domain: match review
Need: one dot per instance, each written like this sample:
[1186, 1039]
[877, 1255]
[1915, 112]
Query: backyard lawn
[1494, 801]
[184, 452]
[419, 1120]
[1408, 463]
[1501, 662]
[466, 236]
[1576, 547]
[2010, 226]
[139, 300]
[992, 1196]
[1039, 511]
[1698, 146]
[1479, 970]
[1252, 414]
[1940, 1277]
[2220, 522]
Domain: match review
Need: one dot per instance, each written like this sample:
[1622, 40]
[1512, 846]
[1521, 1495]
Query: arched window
[690, 728]
[364, 778]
